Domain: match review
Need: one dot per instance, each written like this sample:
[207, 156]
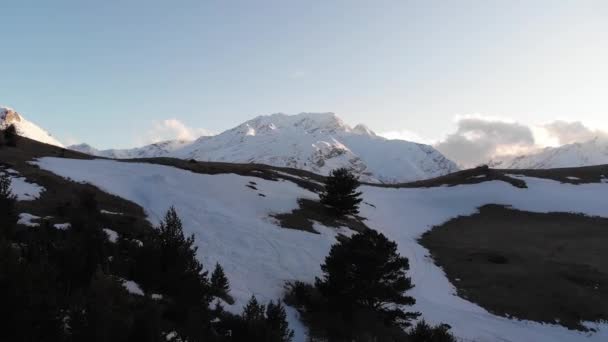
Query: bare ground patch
[61, 197]
[304, 179]
[549, 268]
[572, 175]
[470, 176]
[309, 211]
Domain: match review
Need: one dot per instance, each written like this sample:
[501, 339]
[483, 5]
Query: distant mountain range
[320, 142]
[592, 152]
[160, 149]
[317, 142]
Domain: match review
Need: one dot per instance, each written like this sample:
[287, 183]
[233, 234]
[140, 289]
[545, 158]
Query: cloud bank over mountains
[479, 139]
[172, 129]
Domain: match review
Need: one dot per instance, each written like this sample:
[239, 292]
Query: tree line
[68, 285]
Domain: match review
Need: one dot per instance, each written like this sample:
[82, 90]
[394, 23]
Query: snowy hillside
[317, 142]
[592, 152]
[232, 225]
[320, 142]
[24, 127]
[160, 149]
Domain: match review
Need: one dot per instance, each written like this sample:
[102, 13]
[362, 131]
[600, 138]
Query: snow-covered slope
[232, 226]
[25, 128]
[320, 142]
[592, 152]
[160, 149]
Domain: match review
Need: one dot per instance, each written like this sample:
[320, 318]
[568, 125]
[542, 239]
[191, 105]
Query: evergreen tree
[423, 332]
[11, 135]
[178, 255]
[252, 327]
[183, 278]
[341, 193]
[30, 309]
[88, 203]
[8, 214]
[276, 320]
[367, 272]
[82, 254]
[220, 285]
[253, 311]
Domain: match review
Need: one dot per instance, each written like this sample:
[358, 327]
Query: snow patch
[112, 235]
[107, 212]
[28, 220]
[21, 188]
[132, 287]
[62, 226]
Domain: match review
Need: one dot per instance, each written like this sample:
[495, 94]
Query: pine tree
[8, 214]
[178, 253]
[341, 193]
[253, 323]
[184, 279]
[220, 285]
[11, 135]
[423, 332]
[276, 320]
[253, 311]
[367, 272]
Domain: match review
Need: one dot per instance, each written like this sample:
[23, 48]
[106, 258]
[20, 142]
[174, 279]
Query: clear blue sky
[104, 71]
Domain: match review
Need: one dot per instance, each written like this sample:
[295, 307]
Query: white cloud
[171, 129]
[478, 139]
[405, 135]
[571, 132]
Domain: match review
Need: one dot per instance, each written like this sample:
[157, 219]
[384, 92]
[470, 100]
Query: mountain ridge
[316, 142]
[588, 153]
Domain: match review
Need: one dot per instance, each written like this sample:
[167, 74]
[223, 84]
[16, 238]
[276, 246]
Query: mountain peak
[308, 122]
[9, 116]
[364, 130]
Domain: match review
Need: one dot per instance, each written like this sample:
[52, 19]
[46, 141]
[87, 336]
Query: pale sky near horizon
[110, 72]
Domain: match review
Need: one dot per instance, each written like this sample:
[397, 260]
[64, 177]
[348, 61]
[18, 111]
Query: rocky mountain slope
[592, 152]
[317, 142]
[25, 128]
[320, 142]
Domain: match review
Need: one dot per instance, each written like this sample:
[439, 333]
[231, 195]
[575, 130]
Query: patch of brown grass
[534, 266]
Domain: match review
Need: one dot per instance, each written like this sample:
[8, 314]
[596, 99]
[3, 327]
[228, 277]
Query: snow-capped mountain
[317, 142]
[160, 149]
[320, 142]
[592, 152]
[24, 127]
